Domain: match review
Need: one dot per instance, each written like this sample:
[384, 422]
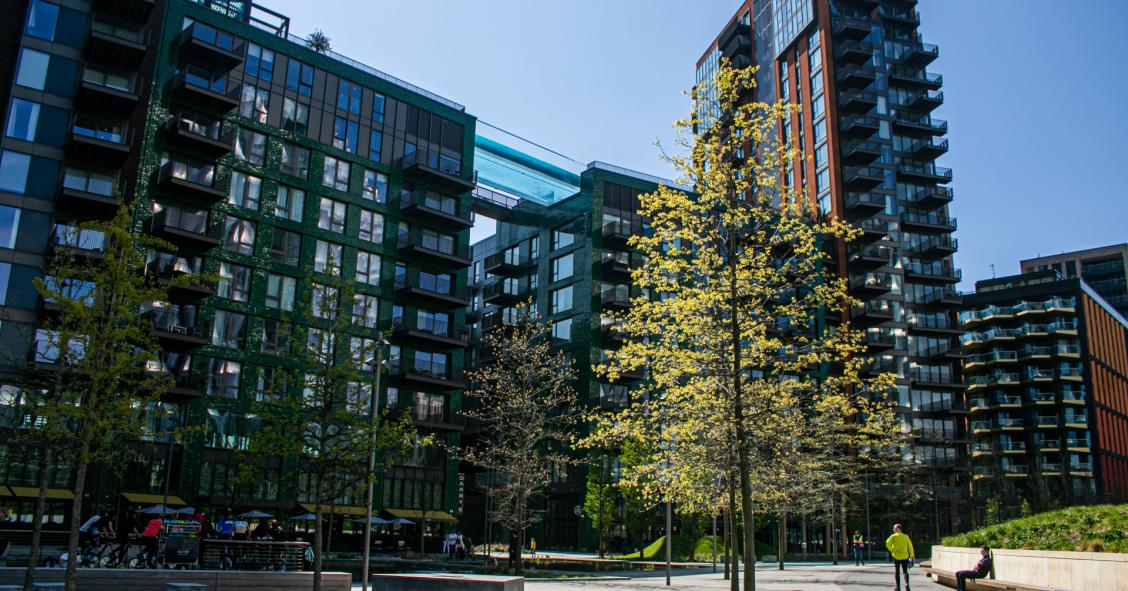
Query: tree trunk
[843, 535]
[317, 533]
[726, 519]
[743, 462]
[734, 539]
[827, 534]
[804, 535]
[329, 533]
[40, 508]
[782, 537]
[83, 465]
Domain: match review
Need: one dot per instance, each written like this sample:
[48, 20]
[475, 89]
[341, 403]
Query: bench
[945, 577]
[445, 582]
[185, 587]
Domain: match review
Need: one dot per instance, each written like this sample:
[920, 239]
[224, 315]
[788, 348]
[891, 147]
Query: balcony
[993, 357]
[434, 290]
[186, 229]
[189, 132]
[1051, 468]
[435, 209]
[1007, 424]
[192, 180]
[934, 379]
[1008, 401]
[425, 373]
[81, 245]
[851, 28]
[116, 42]
[920, 54]
[849, 51]
[181, 276]
[134, 10]
[915, 78]
[1076, 445]
[618, 297]
[176, 332]
[505, 293]
[879, 339]
[929, 148]
[1048, 445]
[86, 194]
[932, 197]
[108, 94]
[933, 273]
[1076, 421]
[438, 170]
[495, 320]
[908, 16]
[871, 257]
[1046, 422]
[872, 312]
[920, 124]
[1042, 398]
[1012, 446]
[1073, 397]
[100, 143]
[616, 265]
[186, 385]
[427, 331]
[429, 417]
[735, 39]
[862, 178]
[508, 263]
[856, 75]
[872, 230]
[856, 101]
[931, 222]
[861, 152]
[1015, 471]
[612, 334]
[871, 284]
[858, 126]
[1063, 327]
[203, 90]
[921, 102]
[933, 247]
[435, 249]
[618, 233]
[981, 426]
[1036, 374]
[208, 46]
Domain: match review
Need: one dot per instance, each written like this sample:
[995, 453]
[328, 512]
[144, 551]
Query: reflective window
[375, 145]
[32, 72]
[260, 62]
[348, 96]
[335, 174]
[299, 77]
[239, 235]
[345, 135]
[375, 186]
[280, 292]
[41, 20]
[250, 146]
[234, 282]
[245, 190]
[367, 267]
[331, 215]
[371, 227]
[295, 116]
[13, 171]
[9, 226]
[295, 160]
[289, 203]
[22, 120]
[253, 103]
[378, 108]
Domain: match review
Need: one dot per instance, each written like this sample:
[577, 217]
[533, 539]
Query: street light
[373, 403]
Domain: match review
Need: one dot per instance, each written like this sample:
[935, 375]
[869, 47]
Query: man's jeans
[859, 555]
[962, 577]
[898, 566]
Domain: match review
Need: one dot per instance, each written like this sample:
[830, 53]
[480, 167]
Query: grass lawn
[1097, 528]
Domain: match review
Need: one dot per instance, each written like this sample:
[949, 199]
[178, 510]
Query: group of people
[456, 546]
[900, 548]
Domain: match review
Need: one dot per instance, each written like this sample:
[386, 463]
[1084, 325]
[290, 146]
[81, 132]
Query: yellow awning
[32, 492]
[6, 492]
[334, 509]
[432, 516]
[150, 499]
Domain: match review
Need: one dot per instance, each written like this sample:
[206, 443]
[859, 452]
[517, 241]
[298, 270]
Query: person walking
[981, 570]
[859, 545]
[533, 547]
[901, 549]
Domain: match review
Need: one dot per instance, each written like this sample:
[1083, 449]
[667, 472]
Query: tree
[318, 41]
[599, 500]
[322, 422]
[742, 317]
[526, 408]
[93, 374]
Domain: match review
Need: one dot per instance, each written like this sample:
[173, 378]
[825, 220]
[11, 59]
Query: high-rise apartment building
[267, 164]
[1047, 374]
[1105, 269]
[859, 68]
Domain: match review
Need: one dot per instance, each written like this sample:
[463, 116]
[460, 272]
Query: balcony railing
[933, 219]
[1076, 443]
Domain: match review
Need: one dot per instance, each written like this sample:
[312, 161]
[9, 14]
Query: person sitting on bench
[982, 569]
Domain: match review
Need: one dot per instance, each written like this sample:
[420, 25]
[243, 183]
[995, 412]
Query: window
[229, 329]
[327, 258]
[820, 156]
[295, 160]
[534, 247]
[41, 20]
[562, 329]
[436, 241]
[562, 267]
[275, 337]
[348, 96]
[280, 292]
[299, 77]
[32, 72]
[366, 310]
[331, 216]
[250, 146]
[234, 282]
[22, 120]
[253, 104]
[89, 182]
[323, 301]
[822, 180]
[260, 62]
[271, 384]
[378, 108]
[335, 174]
[371, 226]
[560, 239]
[367, 267]
[5, 275]
[562, 300]
[345, 135]
[223, 378]
[285, 247]
[239, 235]
[13, 171]
[375, 145]
[10, 223]
[245, 190]
[289, 203]
[820, 130]
[295, 116]
[375, 186]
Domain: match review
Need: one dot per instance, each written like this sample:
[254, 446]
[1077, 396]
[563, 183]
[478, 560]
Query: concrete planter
[1078, 571]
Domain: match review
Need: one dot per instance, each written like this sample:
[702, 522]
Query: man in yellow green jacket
[901, 549]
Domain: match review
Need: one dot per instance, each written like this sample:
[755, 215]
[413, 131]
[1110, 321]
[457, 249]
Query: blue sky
[1034, 94]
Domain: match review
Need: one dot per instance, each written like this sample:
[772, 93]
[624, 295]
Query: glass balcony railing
[1046, 421]
[1010, 423]
[1013, 445]
[1048, 444]
[1077, 443]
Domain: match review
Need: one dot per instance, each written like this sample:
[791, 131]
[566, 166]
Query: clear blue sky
[1035, 92]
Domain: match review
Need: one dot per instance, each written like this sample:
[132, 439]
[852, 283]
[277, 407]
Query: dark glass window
[378, 108]
[299, 77]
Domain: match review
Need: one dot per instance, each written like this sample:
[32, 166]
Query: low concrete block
[185, 587]
[445, 582]
[47, 586]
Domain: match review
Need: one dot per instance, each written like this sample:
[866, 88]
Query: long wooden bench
[948, 578]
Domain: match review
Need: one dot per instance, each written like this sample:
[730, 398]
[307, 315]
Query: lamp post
[373, 403]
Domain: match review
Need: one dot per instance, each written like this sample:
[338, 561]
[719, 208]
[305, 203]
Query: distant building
[1047, 372]
[1104, 268]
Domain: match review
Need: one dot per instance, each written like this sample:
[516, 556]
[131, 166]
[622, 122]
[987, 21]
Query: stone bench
[945, 577]
[444, 582]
